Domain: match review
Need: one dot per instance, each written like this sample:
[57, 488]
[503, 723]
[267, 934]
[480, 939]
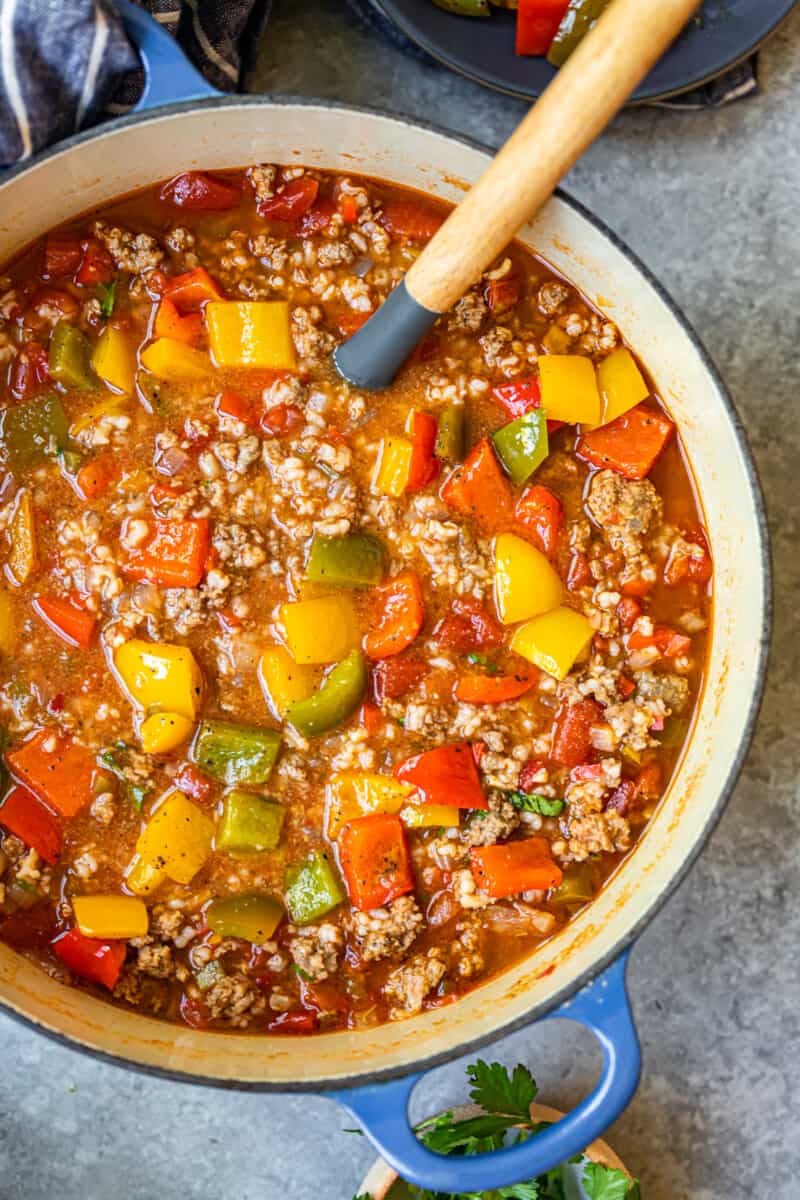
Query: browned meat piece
[134, 252]
[235, 999]
[385, 932]
[143, 992]
[410, 984]
[317, 949]
[156, 961]
[495, 824]
[673, 690]
[624, 508]
[467, 948]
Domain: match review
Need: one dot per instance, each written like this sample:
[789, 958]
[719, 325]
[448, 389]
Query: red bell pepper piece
[169, 323]
[407, 219]
[200, 192]
[62, 255]
[24, 815]
[447, 775]
[92, 959]
[537, 24]
[518, 398]
[174, 555]
[370, 716]
[469, 627]
[67, 619]
[291, 202]
[190, 291]
[316, 219]
[529, 775]
[95, 477]
[392, 677]
[232, 404]
[503, 294]
[539, 512]
[668, 642]
[57, 769]
[572, 732]
[479, 489]
[375, 860]
[399, 616]
[348, 208]
[514, 867]
[282, 419]
[629, 445]
[424, 466]
[96, 265]
[192, 782]
[475, 688]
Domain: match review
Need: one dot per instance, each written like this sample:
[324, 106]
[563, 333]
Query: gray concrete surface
[709, 201]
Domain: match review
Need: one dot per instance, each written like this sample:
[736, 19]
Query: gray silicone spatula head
[372, 357]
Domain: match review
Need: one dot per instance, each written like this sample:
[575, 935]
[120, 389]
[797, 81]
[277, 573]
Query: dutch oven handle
[168, 75]
[603, 1007]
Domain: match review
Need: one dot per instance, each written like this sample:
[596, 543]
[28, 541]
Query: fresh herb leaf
[474, 1135]
[521, 1191]
[500, 1093]
[482, 660]
[27, 886]
[534, 802]
[298, 970]
[107, 296]
[607, 1183]
[136, 793]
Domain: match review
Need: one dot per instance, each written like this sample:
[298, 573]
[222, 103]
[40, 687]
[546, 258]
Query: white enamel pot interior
[93, 169]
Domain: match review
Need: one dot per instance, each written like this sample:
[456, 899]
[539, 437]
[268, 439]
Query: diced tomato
[194, 1012]
[539, 512]
[537, 24]
[407, 219]
[478, 488]
[96, 265]
[579, 573]
[24, 814]
[668, 642]
[96, 476]
[626, 687]
[315, 220]
[649, 782]
[424, 466]
[621, 798]
[468, 627]
[29, 371]
[226, 616]
[629, 445]
[194, 783]
[156, 283]
[446, 775]
[502, 294]
[174, 555]
[350, 322]
[695, 566]
[200, 192]
[60, 771]
[232, 404]
[323, 997]
[169, 323]
[370, 716]
[56, 299]
[628, 610]
[67, 619]
[637, 587]
[572, 732]
[514, 867]
[282, 419]
[477, 688]
[375, 860]
[348, 208]
[518, 398]
[190, 291]
[399, 616]
[62, 255]
[294, 1022]
[291, 202]
[91, 958]
[529, 775]
[392, 677]
[587, 773]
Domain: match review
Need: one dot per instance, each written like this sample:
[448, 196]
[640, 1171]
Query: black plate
[725, 32]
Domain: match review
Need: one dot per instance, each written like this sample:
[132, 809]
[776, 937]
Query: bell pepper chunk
[69, 357]
[451, 433]
[320, 630]
[479, 489]
[176, 840]
[169, 323]
[525, 583]
[522, 445]
[22, 534]
[407, 219]
[143, 878]
[447, 775]
[430, 816]
[165, 731]
[68, 620]
[569, 389]
[355, 560]
[234, 753]
[160, 677]
[90, 958]
[353, 794]
[540, 514]
[520, 397]
[468, 628]
[33, 431]
[668, 642]
[393, 677]
[554, 640]
[514, 867]
[190, 291]
[337, 699]
[283, 681]
[621, 383]
[475, 688]
[250, 333]
[114, 360]
[24, 815]
[423, 467]
[577, 886]
[629, 445]
[312, 889]
[254, 919]
[250, 824]
[375, 860]
[174, 555]
[201, 192]
[537, 24]
[8, 624]
[108, 917]
[57, 769]
[96, 265]
[393, 466]
[167, 359]
[96, 476]
[399, 616]
[292, 202]
[572, 732]
[580, 17]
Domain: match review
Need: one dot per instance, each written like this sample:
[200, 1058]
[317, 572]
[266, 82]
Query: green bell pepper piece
[451, 433]
[355, 560]
[580, 17]
[69, 358]
[252, 918]
[235, 753]
[250, 824]
[522, 444]
[312, 889]
[577, 886]
[31, 432]
[339, 697]
[465, 8]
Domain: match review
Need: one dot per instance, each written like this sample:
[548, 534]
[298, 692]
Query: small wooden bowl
[381, 1177]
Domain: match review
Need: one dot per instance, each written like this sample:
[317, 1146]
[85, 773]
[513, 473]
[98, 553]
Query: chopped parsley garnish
[481, 660]
[298, 970]
[136, 793]
[545, 806]
[107, 295]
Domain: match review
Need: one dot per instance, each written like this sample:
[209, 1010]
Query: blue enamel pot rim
[467, 1045]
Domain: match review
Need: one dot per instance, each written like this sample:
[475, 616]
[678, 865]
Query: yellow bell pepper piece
[393, 466]
[553, 640]
[22, 532]
[556, 340]
[114, 360]
[569, 389]
[283, 680]
[160, 677]
[143, 877]
[525, 583]
[353, 794]
[250, 333]
[425, 816]
[163, 731]
[110, 916]
[176, 839]
[322, 630]
[168, 359]
[621, 384]
[7, 624]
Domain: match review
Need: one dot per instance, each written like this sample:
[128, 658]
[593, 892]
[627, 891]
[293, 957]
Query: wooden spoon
[585, 94]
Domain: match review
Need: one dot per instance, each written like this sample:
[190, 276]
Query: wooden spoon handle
[589, 89]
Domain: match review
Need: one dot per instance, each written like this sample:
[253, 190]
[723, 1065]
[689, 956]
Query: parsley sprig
[545, 806]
